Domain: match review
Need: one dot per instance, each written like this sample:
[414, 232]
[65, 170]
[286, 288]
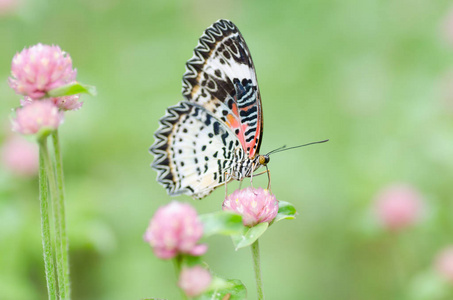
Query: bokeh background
[375, 77]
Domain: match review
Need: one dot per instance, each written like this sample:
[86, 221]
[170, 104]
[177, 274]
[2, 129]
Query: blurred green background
[375, 77]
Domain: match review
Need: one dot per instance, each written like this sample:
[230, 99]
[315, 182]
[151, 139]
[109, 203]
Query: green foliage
[221, 222]
[285, 211]
[72, 89]
[221, 288]
[249, 235]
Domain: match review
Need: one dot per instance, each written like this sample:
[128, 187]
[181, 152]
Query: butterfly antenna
[277, 150]
[283, 148]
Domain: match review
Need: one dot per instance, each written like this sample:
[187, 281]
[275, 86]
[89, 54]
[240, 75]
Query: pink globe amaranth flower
[444, 263]
[194, 281]
[39, 69]
[175, 229]
[36, 116]
[20, 156]
[254, 205]
[64, 103]
[398, 206]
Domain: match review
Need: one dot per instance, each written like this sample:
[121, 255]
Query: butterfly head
[263, 159]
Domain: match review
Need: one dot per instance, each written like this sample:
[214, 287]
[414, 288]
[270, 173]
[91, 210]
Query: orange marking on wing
[232, 121]
[235, 109]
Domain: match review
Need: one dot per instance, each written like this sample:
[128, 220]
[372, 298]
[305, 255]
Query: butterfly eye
[263, 159]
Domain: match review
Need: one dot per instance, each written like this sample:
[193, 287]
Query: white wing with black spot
[194, 152]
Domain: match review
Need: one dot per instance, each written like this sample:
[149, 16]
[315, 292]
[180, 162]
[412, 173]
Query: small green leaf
[249, 235]
[232, 289]
[285, 211]
[222, 222]
[72, 89]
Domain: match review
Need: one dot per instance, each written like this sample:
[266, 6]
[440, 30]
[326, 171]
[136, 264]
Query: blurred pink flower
[38, 115]
[194, 281]
[63, 103]
[448, 26]
[398, 206]
[444, 263]
[8, 6]
[175, 229]
[254, 205]
[39, 69]
[20, 156]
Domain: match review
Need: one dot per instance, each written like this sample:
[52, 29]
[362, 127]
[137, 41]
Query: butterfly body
[213, 136]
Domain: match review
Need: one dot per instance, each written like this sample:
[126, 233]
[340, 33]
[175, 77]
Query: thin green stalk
[257, 267]
[177, 261]
[57, 218]
[398, 263]
[61, 201]
[45, 230]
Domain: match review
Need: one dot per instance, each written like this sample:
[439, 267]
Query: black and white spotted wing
[214, 135]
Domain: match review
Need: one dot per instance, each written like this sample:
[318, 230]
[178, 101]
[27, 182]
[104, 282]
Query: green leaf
[249, 235]
[285, 211]
[222, 222]
[220, 289]
[72, 89]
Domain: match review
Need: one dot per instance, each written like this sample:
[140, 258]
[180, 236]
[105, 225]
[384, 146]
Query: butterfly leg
[268, 176]
[226, 182]
[269, 179]
[251, 176]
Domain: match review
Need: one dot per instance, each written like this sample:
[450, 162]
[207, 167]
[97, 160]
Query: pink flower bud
[63, 103]
[38, 115]
[444, 263]
[254, 205]
[68, 102]
[175, 229]
[194, 281]
[20, 156]
[39, 69]
[398, 206]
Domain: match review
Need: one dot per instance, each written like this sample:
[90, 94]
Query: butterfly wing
[221, 78]
[192, 151]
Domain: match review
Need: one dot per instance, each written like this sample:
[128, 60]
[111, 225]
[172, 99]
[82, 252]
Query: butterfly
[214, 134]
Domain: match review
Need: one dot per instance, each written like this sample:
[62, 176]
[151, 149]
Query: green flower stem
[45, 230]
[57, 219]
[177, 261]
[257, 267]
[60, 190]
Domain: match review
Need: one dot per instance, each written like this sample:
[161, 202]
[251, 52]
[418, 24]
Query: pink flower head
[38, 115]
[175, 229]
[39, 69]
[194, 281]
[63, 103]
[444, 263]
[20, 156]
[398, 206]
[254, 205]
